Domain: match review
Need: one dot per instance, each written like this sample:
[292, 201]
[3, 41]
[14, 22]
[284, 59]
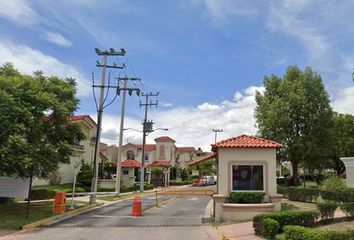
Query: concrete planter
[349, 170]
[237, 212]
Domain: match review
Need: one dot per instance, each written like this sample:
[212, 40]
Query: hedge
[246, 197]
[180, 183]
[339, 195]
[302, 218]
[301, 233]
[42, 193]
[327, 210]
[345, 195]
[302, 194]
[270, 229]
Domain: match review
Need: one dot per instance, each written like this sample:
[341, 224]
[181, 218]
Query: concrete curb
[57, 218]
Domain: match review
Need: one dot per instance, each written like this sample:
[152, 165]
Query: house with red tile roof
[246, 164]
[83, 150]
[163, 154]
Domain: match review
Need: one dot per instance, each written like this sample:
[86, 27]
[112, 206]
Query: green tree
[85, 175]
[295, 111]
[35, 132]
[342, 140]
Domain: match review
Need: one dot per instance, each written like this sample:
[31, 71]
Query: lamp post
[76, 166]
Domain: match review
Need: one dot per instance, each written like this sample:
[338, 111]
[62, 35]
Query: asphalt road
[179, 218]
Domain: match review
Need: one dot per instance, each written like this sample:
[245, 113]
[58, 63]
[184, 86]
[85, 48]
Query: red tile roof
[148, 147]
[131, 163]
[185, 149]
[160, 163]
[78, 117]
[164, 139]
[246, 141]
[202, 159]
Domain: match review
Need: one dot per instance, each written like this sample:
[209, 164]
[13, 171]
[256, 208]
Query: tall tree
[295, 110]
[342, 141]
[35, 132]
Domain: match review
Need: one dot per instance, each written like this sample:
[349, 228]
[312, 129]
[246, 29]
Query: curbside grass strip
[57, 218]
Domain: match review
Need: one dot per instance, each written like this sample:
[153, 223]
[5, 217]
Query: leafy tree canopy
[35, 133]
[342, 140]
[295, 111]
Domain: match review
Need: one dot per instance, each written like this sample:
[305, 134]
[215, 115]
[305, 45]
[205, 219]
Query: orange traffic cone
[136, 211]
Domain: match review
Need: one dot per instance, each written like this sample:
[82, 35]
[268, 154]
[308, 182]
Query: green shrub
[246, 197]
[42, 193]
[303, 218]
[270, 228]
[338, 195]
[302, 194]
[333, 183]
[303, 233]
[282, 190]
[348, 209]
[180, 183]
[85, 175]
[327, 210]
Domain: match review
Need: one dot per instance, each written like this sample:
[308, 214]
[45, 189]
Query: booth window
[247, 178]
[125, 172]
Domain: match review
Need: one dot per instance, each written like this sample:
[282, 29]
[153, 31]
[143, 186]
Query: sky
[206, 58]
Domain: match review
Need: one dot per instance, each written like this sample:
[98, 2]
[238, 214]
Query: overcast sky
[205, 57]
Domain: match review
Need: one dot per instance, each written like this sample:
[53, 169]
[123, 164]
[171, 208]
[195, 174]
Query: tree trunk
[295, 177]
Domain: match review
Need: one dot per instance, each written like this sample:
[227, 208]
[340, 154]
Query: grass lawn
[12, 215]
[68, 187]
[288, 207]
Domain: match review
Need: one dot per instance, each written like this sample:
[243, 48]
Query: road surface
[179, 218]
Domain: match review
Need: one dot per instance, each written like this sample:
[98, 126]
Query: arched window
[162, 152]
[130, 155]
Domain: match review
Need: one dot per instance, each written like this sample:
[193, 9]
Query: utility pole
[130, 90]
[216, 131]
[147, 128]
[100, 107]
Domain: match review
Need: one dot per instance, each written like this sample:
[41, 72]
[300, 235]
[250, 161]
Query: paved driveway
[179, 218]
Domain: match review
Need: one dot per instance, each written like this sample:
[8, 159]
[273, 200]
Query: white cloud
[18, 11]
[221, 12]
[27, 60]
[192, 126]
[345, 102]
[57, 39]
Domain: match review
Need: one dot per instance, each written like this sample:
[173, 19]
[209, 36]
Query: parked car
[208, 180]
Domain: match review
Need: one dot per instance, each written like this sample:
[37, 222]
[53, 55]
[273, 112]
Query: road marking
[193, 199]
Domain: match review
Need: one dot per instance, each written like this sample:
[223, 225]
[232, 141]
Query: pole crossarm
[110, 52]
[98, 64]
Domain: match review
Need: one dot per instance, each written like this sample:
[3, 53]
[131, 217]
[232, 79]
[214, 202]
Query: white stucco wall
[246, 156]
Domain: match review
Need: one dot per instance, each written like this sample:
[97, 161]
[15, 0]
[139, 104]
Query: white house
[83, 150]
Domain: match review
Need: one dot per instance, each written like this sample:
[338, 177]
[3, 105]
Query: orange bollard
[136, 210]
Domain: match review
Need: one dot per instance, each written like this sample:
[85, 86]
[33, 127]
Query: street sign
[14, 187]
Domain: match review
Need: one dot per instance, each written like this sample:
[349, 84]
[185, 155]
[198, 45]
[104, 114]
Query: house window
[125, 172]
[247, 178]
[162, 152]
[146, 157]
[130, 155]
